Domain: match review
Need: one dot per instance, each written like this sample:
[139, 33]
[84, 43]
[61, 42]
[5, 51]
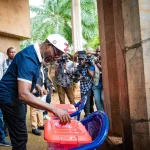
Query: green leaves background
[54, 16]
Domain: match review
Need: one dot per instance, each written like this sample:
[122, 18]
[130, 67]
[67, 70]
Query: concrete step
[5, 148]
[112, 143]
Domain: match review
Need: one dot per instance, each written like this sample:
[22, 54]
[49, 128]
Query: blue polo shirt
[26, 67]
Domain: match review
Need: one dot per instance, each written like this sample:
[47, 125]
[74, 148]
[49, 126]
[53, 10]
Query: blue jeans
[97, 95]
[2, 134]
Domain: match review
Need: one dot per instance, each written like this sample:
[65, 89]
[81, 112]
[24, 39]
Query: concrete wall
[6, 42]
[125, 46]
[109, 64]
[14, 23]
[136, 30]
[144, 12]
[15, 18]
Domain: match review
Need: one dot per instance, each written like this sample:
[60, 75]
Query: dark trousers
[48, 100]
[2, 134]
[89, 103]
[15, 118]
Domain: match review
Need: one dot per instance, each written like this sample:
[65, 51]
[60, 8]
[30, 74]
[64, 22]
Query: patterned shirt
[62, 77]
[86, 83]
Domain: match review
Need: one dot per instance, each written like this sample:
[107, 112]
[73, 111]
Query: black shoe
[4, 142]
[41, 127]
[36, 132]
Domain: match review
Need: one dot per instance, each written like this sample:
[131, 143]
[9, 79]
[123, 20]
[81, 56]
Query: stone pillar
[76, 36]
[136, 16]
[122, 76]
[144, 12]
[125, 42]
[109, 64]
[76, 25]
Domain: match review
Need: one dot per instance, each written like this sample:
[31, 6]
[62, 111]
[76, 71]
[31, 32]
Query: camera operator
[90, 57]
[87, 73]
[64, 83]
[97, 80]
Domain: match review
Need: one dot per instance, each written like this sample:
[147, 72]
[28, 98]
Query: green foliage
[54, 16]
[89, 20]
[93, 43]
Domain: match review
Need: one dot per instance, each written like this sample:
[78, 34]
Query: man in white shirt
[3, 68]
[3, 65]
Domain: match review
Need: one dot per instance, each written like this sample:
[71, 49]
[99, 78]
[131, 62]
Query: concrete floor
[37, 142]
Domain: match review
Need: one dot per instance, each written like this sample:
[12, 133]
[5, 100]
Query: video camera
[77, 70]
[76, 74]
[88, 61]
[61, 61]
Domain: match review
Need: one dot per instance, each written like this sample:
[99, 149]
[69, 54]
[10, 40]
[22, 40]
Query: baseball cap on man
[58, 41]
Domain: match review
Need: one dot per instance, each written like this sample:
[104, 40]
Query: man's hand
[81, 78]
[62, 115]
[96, 60]
[26, 96]
[42, 90]
[53, 90]
[64, 65]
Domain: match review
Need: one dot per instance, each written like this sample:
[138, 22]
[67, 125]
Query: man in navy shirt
[19, 81]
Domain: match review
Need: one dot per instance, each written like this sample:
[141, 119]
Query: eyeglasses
[12, 52]
[98, 51]
[57, 52]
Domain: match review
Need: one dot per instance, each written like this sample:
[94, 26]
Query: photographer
[87, 73]
[63, 80]
[97, 80]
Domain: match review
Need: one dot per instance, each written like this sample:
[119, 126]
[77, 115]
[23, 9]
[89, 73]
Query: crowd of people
[4, 64]
[25, 79]
[90, 78]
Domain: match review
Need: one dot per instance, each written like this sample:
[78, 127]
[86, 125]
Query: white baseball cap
[59, 42]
